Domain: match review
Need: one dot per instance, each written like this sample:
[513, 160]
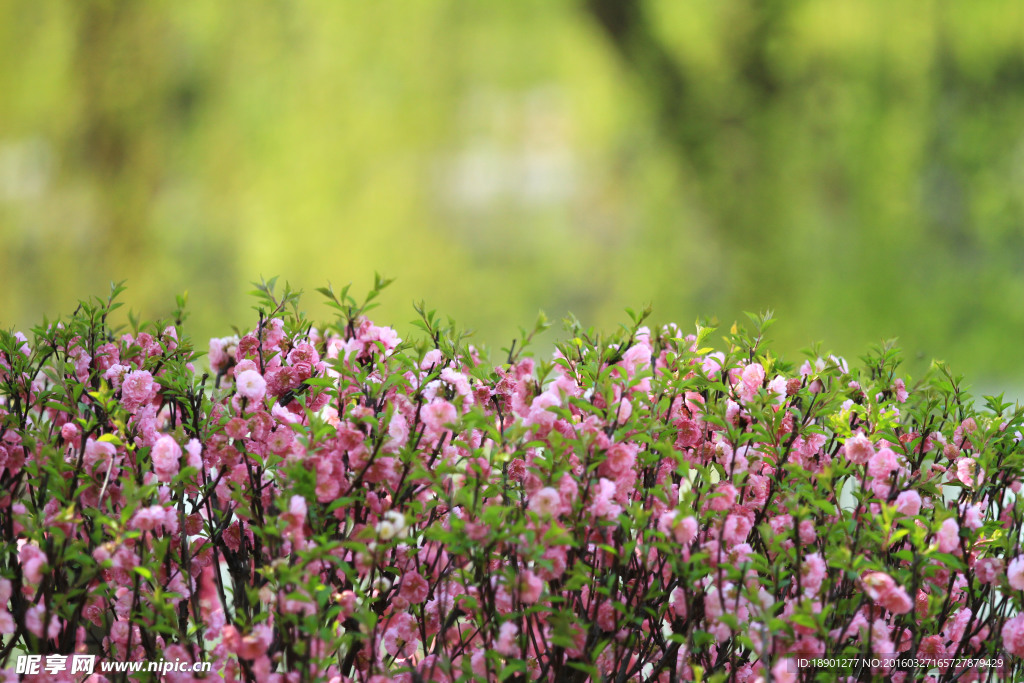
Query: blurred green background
[857, 166]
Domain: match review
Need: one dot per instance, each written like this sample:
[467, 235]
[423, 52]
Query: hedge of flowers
[339, 504]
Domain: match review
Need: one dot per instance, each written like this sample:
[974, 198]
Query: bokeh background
[856, 166]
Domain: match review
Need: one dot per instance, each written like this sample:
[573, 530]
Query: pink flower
[909, 502]
[1015, 573]
[974, 515]
[737, 528]
[966, 468]
[166, 455]
[859, 449]
[414, 587]
[603, 506]
[621, 457]
[949, 536]
[32, 561]
[750, 382]
[813, 571]
[437, 414]
[784, 671]
[1013, 635]
[901, 391]
[507, 638]
[882, 464]
[148, 518]
[136, 390]
[251, 385]
[97, 452]
[256, 643]
[546, 502]
[34, 617]
[881, 588]
[530, 587]
[988, 569]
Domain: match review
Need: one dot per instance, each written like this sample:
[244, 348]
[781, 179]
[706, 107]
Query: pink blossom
[438, 413]
[881, 588]
[859, 449]
[414, 587]
[778, 386]
[988, 569]
[148, 518]
[251, 385]
[137, 389]
[166, 455]
[32, 561]
[1013, 635]
[813, 571]
[974, 515]
[724, 496]
[901, 391]
[882, 464]
[546, 502]
[784, 671]
[98, 453]
[966, 468]
[737, 528]
[256, 643]
[1015, 573]
[603, 505]
[530, 587]
[34, 618]
[621, 457]
[507, 640]
[908, 502]
[682, 530]
[949, 536]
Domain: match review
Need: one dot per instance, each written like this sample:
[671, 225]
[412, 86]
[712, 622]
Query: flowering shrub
[339, 504]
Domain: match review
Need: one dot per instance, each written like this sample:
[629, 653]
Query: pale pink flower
[737, 528]
[974, 515]
[859, 449]
[507, 640]
[1015, 573]
[901, 391]
[881, 588]
[778, 387]
[603, 505]
[98, 452]
[436, 414]
[34, 618]
[813, 571]
[251, 385]
[909, 502]
[1013, 635]
[621, 457]
[530, 587]
[166, 455]
[148, 518]
[256, 643]
[949, 536]
[194, 449]
[784, 671]
[546, 502]
[988, 569]
[966, 468]
[32, 561]
[882, 464]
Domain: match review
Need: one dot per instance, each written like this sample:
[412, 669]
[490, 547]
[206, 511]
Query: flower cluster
[339, 504]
